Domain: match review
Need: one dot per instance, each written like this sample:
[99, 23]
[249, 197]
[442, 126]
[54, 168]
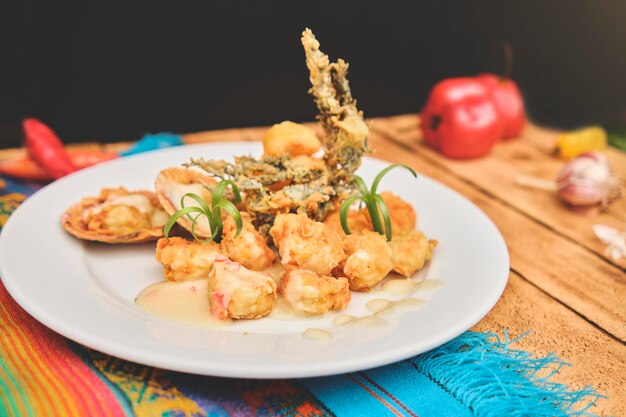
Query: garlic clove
[587, 181]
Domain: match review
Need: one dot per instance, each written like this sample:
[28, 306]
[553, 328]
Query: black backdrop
[113, 71]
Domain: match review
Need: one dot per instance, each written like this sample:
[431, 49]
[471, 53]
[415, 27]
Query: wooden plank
[562, 268]
[496, 176]
[596, 358]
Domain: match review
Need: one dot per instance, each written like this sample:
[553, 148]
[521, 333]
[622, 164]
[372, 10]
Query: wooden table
[562, 287]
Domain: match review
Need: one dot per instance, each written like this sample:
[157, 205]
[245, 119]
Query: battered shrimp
[314, 294]
[401, 213]
[357, 222]
[292, 138]
[411, 250]
[238, 293]
[307, 244]
[249, 248]
[183, 260]
[369, 260]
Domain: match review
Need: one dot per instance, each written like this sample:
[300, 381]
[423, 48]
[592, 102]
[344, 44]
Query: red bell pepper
[45, 147]
[508, 100]
[460, 120]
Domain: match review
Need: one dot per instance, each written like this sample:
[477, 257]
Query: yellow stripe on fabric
[149, 390]
[13, 392]
[47, 382]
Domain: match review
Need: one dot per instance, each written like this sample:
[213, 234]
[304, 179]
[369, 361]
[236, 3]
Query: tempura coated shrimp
[411, 250]
[357, 222]
[183, 260]
[401, 213]
[249, 248]
[311, 293]
[369, 260]
[239, 293]
[306, 244]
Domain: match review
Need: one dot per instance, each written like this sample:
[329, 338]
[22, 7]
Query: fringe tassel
[493, 380]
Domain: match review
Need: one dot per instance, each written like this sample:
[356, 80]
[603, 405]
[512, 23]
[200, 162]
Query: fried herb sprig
[373, 201]
[212, 213]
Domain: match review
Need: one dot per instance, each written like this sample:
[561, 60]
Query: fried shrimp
[401, 213]
[411, 250]
[249, 248]
[239, 293]
[369, 260]
[291, 138]
[357, 222]
[311, 293]
[307, 244]
[183, 260]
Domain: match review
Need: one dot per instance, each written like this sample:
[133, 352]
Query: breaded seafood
[116, 216]
[173, 183]
[249, 248]
[358, 222]
[272, 185]
[369, 260]
[239, 293]
[401, 213]
[311, 293]
[290, 138]
[306, 244]
[184, 260]
[411, 250]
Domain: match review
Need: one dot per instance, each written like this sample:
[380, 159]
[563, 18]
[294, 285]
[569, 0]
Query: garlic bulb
[587, 181]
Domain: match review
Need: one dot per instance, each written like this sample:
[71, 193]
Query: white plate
[85, 291]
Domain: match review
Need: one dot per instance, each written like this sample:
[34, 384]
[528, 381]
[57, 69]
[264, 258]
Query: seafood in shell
[173, 183]
[116, 216]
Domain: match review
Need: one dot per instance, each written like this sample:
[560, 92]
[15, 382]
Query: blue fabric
[151, 142]
[476, 374]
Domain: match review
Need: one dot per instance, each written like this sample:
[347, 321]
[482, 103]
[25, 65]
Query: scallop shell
[172, 183]
[74, 222]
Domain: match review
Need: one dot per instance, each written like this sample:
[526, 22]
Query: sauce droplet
[406, 304]
[378, 304]
[343, 319]
[430, 284]
[317, 334]
[400, 286]
[369, 321]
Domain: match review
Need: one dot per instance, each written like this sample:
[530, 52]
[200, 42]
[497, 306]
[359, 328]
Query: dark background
[113, 71]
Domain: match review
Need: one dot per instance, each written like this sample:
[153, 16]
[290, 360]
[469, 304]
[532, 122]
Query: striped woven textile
[44, 374]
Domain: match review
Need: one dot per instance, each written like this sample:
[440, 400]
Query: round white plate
[86, 291]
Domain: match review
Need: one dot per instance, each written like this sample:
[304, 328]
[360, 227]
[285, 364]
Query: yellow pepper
[571, 144]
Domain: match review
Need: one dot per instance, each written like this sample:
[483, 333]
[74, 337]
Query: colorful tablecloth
[477, 374]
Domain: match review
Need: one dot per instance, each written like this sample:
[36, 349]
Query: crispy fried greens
[304, 184]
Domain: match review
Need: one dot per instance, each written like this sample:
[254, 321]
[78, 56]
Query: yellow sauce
[317, 334]
[342, 319]
[368, 321]
[378, 304]
[400, 286]
[430, 284]
[406, 304]
[185, 302]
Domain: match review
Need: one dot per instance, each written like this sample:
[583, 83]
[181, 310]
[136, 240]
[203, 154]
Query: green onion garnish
[374, 202]
[212, 213]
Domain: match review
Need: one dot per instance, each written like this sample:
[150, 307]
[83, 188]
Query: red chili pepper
[24, 168]
[83, 158]
[27, 169]
[44, 146]
[460, 120]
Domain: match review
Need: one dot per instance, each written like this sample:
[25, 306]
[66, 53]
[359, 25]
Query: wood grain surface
[563, 288]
